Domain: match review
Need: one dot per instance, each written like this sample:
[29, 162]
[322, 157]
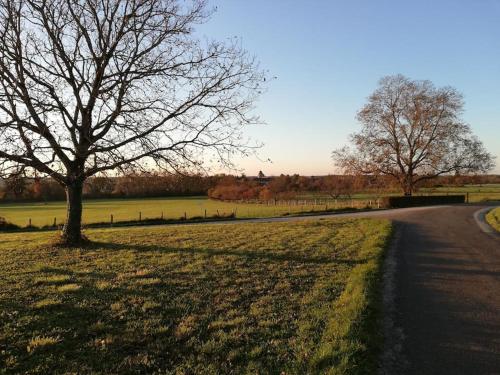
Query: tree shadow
[269, 255]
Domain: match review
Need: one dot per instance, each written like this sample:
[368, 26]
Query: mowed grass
[477, 193]
[96, 211]
[266, 298]
[493, 218]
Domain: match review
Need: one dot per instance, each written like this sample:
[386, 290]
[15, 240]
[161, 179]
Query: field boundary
[390, 361]
[480, 218]
[187, 221]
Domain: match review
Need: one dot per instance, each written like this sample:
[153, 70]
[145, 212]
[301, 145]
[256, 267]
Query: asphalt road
[447, 291]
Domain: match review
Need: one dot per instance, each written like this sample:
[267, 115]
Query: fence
[223, 209]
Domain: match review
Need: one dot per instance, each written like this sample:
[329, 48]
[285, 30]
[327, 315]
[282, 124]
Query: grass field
[493, 218]
[263, 298]
[96, 211]
[128, 209]
[477, 193]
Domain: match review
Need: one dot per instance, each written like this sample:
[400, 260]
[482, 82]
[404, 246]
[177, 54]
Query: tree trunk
[72, 231]
[408, 186]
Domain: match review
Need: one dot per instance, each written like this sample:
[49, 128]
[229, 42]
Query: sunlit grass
[97, 211]
[68, 288]
[493, 218]
[41, 342]
[176, 207]
[275, 298]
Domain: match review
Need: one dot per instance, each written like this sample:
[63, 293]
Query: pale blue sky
[329, 55]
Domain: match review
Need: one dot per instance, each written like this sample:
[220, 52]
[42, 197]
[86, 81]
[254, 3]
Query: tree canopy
[412, 131]
[89, 86]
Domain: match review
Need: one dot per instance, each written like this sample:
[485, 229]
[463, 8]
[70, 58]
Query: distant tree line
[221, 187]
[20, 188]
[287, 187]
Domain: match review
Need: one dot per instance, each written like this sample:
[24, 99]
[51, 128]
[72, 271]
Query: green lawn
[493, 218]
[477, 193]
[96, 211]
[128, 209]
[275, 298]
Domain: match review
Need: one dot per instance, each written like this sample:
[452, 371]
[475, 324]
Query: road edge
[391, 361]
[480, 218]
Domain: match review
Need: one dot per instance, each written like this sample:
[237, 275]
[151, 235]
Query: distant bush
[415, 201]
[5, 225]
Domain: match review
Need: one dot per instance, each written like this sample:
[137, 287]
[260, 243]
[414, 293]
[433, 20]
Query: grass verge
[273, 298]
[493, 218]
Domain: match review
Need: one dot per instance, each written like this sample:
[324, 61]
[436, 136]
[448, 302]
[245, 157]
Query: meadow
[297, 298]
[100, 210]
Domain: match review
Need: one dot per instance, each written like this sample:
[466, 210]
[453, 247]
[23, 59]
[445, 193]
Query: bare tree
[412, 131]
[89, 86]
[337, 186]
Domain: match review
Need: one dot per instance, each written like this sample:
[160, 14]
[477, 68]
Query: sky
[328, 56]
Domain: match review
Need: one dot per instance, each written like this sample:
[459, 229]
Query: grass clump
[46, 303]
[493, 218]
[68, 288]
[52, 279]
[41, 342]
[266, 298]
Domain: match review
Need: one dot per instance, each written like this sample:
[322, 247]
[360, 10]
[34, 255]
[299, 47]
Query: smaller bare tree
[337, 186]
[412, 131]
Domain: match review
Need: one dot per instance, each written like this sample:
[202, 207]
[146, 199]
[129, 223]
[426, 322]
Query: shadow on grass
[117, 319]
[92, 328]
[269, 255]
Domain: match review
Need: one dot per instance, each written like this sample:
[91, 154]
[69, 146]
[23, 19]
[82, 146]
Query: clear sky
[329, 55]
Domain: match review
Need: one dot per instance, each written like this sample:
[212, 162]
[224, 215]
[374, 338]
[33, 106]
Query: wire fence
[240, 209]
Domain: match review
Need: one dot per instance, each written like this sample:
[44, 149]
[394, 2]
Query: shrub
[5, 225]
[414, 201]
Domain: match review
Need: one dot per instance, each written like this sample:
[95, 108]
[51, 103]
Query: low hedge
[5, 225]
[421, 200]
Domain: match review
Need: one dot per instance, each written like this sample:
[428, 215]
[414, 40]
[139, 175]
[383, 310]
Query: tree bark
[408, 186]
[72, 230]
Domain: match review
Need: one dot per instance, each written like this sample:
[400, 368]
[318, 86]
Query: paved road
[447, 291]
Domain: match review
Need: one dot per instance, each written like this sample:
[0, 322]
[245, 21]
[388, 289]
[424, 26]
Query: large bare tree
[413, 131]
[89, 86]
